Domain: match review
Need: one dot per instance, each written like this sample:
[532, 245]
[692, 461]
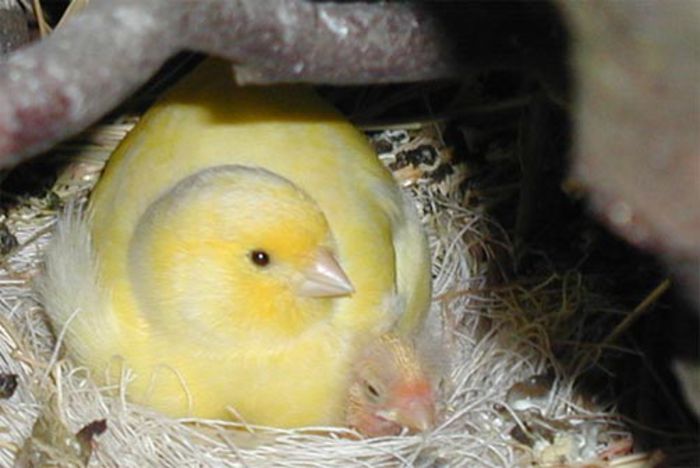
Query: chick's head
[389, 390]
[236, 251]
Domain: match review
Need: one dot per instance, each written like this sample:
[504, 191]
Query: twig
[643, 306]
[44, 28]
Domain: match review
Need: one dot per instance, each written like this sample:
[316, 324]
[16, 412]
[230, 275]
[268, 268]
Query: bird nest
[505, 400]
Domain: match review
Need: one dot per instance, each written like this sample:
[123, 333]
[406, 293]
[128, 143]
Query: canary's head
[233, 249]
[389, 390]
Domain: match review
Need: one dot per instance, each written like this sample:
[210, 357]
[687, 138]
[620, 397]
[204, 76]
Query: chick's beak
[419, 416]
[413, 407]
[325, 277]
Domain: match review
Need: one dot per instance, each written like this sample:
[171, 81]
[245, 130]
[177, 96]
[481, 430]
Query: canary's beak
[413, 407]
[325, 277]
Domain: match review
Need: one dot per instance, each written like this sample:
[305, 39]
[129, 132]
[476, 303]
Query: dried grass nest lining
[478, 417]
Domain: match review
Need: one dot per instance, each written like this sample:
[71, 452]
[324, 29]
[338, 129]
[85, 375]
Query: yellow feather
[160, 271]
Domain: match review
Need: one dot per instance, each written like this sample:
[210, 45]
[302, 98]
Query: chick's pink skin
[390, 390]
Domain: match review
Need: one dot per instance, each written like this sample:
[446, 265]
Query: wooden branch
[339, 43]
[57, 87]
[637, 139]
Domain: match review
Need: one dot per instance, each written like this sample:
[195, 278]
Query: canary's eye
[260, 258]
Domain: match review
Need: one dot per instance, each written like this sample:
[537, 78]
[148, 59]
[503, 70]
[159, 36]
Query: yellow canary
[240, 248]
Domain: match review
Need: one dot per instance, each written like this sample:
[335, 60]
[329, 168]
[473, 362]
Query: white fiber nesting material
[483, 359]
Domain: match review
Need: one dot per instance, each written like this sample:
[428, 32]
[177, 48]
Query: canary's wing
[413, 268]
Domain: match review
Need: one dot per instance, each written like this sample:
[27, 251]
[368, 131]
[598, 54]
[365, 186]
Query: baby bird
[390, 389]
[240, 248]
